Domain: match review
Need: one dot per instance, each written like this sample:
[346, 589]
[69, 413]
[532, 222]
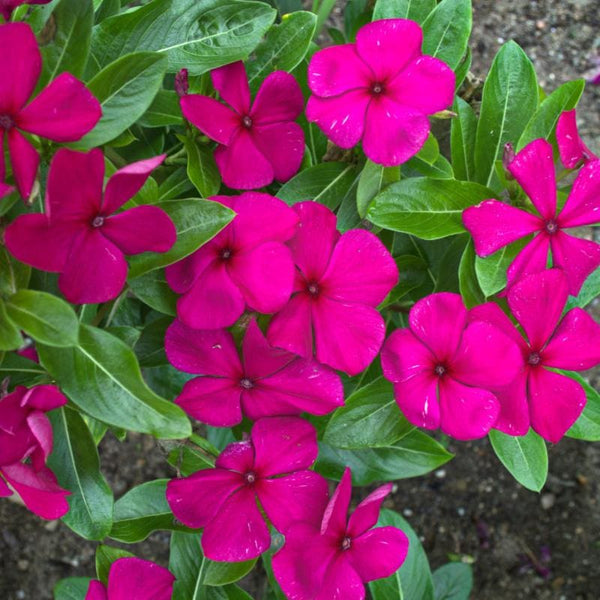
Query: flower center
[534, 359]
[346, 543]
[250, 477]
[226, 253]
[246, 383]
[551, 226]
[6, 122]
[312, 287]
[98, 221]
[377, 88]
[247, 122]
[440, 370]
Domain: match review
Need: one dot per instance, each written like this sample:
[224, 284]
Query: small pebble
[407, 512]
[441, 473]
[547, 501]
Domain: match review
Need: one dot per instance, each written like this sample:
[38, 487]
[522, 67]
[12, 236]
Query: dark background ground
[472, 495]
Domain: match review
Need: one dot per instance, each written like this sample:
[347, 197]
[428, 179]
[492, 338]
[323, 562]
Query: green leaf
[416, 10]
[412, 272]
[125, 90]
[10, 336]
[413, 579]
[46, 318]
[222, 573]
[413, 455]
[141, 511]
[163, 111]
[153, 290]
[69, 47]
[14, 275]
[188, 460]
[373, 179]
[202, 168]
[587, 426]
[543, 122]
[467, 277]
[175, 185]
[589, 291]
[326, 183]
[106, 9]
[453, 581]
[75, 462]
[439, 169]
[197, 221]
[283, 48]
[427, 208]
[72, 588]
[198, 36]
[101, 375]
[370, 418]
[525, 457]
[150, 347]
[22, 371]
[463, 68]
[491, 271]
[446, 31]
[105, 557]
[462, 140]
[510, 98]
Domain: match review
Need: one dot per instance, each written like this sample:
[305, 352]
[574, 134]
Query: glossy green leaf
[587, 426]
[176, 185]
[22, 371]
[163, 111]
[106, 9]
[150, 347]
[427, 208]
[373, 179]
[152, 289]
[417, 167]
[525, 457]
[202, 168]
[10, 336]
[467, 277]
[72, 588]
[188, 460]
[46, 318]
[416, 10]
[222, 573]
[197, 221]
[76, 464]
[463, 68]
[105, 557]
[453, 581]
[491, 270]
[101, 375]
[412, 272]
[462, 140]
[589, 291]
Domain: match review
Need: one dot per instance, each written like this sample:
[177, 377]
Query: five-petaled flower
[79, 236]
[572, 149]
[494, 224]
[334, 558]
[339, 282]
[444, 364]
[547, 401]
[271, 467]
[130, 578]
[245, 265]
[268, 382]
[7, 6]
[380, 89]
[64, 111]
[257, 143]
[25, 444]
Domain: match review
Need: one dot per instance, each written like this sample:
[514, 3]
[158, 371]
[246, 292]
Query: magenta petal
[341, 118]
[232, 84]
[127, 182]
[237, 456]
[367, 512]
[195, 500]
[132, 577]
[282, 144]
[533, 168]
[337, 69]
[495, 224]
[493, 314]
[44, 397]
[347, 336]
[403, 356]
[41, 428]
[213, 301]
[555, 403]
[20, 66]
[64, 111]
[283, 445]
[574, 345]
[140, 229]
[5, 189]
[238, 531]
[278, 99]
[578, 258]
[96, 591]
[378, 553]
[212, 400]
[393, 132]
[260, 358]
[301, 496]
[291, 328]
[533, 258]
[213, 119]
[5, 491]
[583, 205]
[25, 161]
[341, 581]
[95, 270]
[514, 408]
[336, 512]
[467, 413]
[570, 145]
[417, 398]
[182, 274]
[361, 269]
[388, 46]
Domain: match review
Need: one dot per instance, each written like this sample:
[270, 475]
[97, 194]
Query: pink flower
[443, 365]
[380, 89]
[573, 152]
[257, 143]
[547, 401]
[332, 560]
[132, 578]
[271, 467]
[26, 435]
[339, 282]
[5, 189]
[269, 381]
[494, 224]
[64, 111]
[7, 6]
[246, 265]
[79, 236]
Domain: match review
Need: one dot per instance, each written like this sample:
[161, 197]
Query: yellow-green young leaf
[10, 336]
[202, 168]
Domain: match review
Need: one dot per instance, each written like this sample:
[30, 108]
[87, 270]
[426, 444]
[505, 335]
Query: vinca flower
[545, 400]
[271, 467]
[333, 559]
[81, 236]
[339, 282]
[64, 111]
[380, 90]
[494, 224]
[132, 578]
[268, 382]
[258, 142]
[7, 6]
[573, 151]
[444, 364]
[245, 265]
[25, 444]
